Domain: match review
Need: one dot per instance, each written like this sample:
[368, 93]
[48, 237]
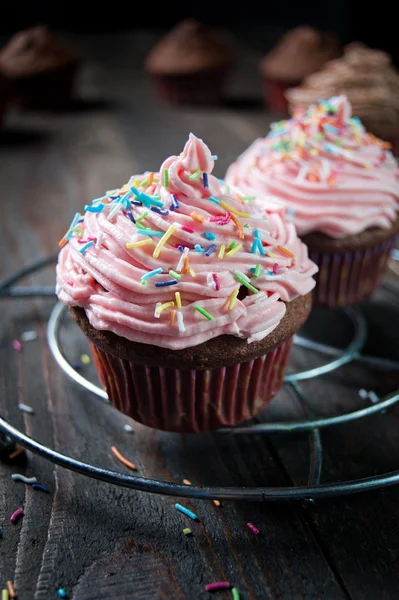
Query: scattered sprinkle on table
[25, 408]
[235, 593]
[122, 459]
[186, 512]
[16, 453]
[128, 428]
[85, 359]
[61, 593]
[4, 595]
[253, 529]
[186, 482]
[19, 477]
[216, 502]
[217, 585]
[39, 487]
[11, 589]
[16, 515]
[29, 336]
[187, 531]
[16, 344]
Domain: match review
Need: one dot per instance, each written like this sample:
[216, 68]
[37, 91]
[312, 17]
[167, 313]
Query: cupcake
[41, 69]
[299, 53]
[341, 187]
[370, 82]
[189, 295]
[189, 65]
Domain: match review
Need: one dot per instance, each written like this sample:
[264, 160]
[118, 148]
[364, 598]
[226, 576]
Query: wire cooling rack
[331, 359]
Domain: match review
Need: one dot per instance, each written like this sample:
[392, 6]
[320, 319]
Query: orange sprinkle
[16, 453]
[216, 502]
[150, 179]
[197, 217]
[122, 459]
[172, 317]
[332, 180]
[186, 267]
[286, 251]
[386, 145]
[11, 589]
[239, 226]
[62, 242]
[186, 482]
[237, 197]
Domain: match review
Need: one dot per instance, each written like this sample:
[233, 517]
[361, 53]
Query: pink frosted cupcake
[189, 296]
[341, 185]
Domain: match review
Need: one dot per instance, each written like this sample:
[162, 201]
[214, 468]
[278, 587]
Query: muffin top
[334, 177]
[190, 47]
[368, 79]
[175, 259]
[299, 53]
[34, 51]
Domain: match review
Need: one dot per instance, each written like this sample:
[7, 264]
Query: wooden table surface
[100, 541]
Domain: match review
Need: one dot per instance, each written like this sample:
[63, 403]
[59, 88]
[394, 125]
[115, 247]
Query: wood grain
[99, 541]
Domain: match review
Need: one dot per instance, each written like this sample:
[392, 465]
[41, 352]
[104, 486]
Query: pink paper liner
[192, 401]
[198, 89]
[350, 277]
[274, 94]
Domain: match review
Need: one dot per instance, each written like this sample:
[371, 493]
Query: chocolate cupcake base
[46, 90]
[201, 89]
[274, 94]
[219, 383]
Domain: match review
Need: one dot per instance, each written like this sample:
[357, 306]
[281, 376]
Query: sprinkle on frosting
[124, 282]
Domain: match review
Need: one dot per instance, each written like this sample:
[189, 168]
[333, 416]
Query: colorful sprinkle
[241, 278]
[17, 453]
[195, 175]
[29, 336]
[211, 249]
[40, 488]
[216, 502]
[174, 275]
[163, 241]
[162, 307]
[186, 482]
[275, 269]
[86, 246]
[233, 298]
[221, 220]
[187, 531]
[216, 280]
[253, 529]
[151, 232]
[213, 199]
[180, 322]
[196, 217]
[159, 211]
[221, 251]
[257, 271]
[19, 477]
[186, 511]
[25, 408]
[16, 344]
[11, 590]
[188, 229]
[234, 211]
[151, 274]
[175, 203]
[199, 248]
[192, 272]
[239, 227]
[234, 250]
[16, 515]
[178, 299]
[166, 178]
[232, 244]
[286, 251]
[205, 180]
[235, 594]
[172, 317]
[181, 260]
[128, 428]
[218, 585]
[4, 595]
[142, 216]
[214, 156]
[122, 459]
[61, 593]
[147, 242]
[209, 235]
[94, 209]
[85, 359]
[203, 312]
[166, 283]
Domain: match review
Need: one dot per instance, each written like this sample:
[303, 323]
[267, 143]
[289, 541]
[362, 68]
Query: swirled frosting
[368, 79]
[322, 164]
[161, 260]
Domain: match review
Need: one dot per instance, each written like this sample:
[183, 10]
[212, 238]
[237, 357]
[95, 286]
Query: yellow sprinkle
[4, 595]
[186, 482]
[137, 244]
[221, 251]
[314, 152]
[136, 183]
[234, 250]
[270, 255]
[85, 358]
[178, 299]
[187, 531]
[233, 210]
[163, 241]
[216, 502]
[233, 298]
[164, 306]
[192, 272]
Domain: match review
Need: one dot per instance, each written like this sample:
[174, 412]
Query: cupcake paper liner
[199, 89]
[350, 277]
[192, 401]
[274, 94]
[46, 90]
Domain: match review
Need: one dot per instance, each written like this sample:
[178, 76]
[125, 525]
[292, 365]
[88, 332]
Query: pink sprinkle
[275, 269]
[221, 220]
[216, 280]
[92, 239]
[188, 229]
[16, 515]
[71, 283]
[16, 345]
[252, 528]
[218, 585]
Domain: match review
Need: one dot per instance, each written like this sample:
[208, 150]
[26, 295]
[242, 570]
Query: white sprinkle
[210, 281]
[363, 394]
[373, 397]
[18, 477]
[241, 274]
[117, 208]
[325, 169]
[25, 408]
[261, 297]
[29, 336]
[99, 239]
[156, 313]
[128, 428]
[180, 322]
[181, 261]
[302, 173]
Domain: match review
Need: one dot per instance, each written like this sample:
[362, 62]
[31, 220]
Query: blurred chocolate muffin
[189, 64]
[4, 97]
[41, 69]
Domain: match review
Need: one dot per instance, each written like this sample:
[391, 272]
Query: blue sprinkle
[151, 232]
[147, 200]
[166, 283]
[331, 128]
[131, 217]
[213, 199]
[160, 211]
[211, 249]
[86, 246]
[180, 248]
[205, 179]
[174, 201]
[256, 234]
[61, 593]
[76, 366]
[171, 207]
[199, 248]
[151, 274]
[136, 203]
[41, 488]
[209, 235]
[94, 209]
[356, 120]
[74, 220]
[186, 511]
[214, 157]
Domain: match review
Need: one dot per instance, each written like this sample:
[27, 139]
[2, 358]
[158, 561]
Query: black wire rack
[333, 358]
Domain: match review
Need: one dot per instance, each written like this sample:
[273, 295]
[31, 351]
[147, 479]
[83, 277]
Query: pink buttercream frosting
[333, 176]
[100, 271]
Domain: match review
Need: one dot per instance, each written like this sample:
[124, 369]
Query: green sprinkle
[247, 225]
[338, 142]
[231, 246]
[142, 216]
[194, 175]
[166, 178]
[140, 226]
[235, 593]
[248, 197]
[246, 283]
[204, 312]
[174, 275]
[319, 136]
[145, 182]
[257, 271]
